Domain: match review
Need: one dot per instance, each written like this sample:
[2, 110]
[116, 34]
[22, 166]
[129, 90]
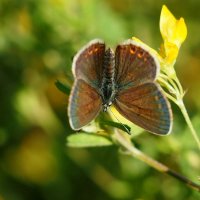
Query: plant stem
[125, 142]
[179, 85]
[174, 87]
[166, 85]
[188, 121]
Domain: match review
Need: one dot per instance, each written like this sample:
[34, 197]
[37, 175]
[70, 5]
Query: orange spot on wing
[139, 54]
[132, 50]
[90, 52]
[96, 49]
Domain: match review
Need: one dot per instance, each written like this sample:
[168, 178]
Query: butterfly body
[125, 78]
[108, 87]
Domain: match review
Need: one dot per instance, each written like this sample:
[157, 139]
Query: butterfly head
[106, 105]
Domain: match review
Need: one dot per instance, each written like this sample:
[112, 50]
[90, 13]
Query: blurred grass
[37, 42]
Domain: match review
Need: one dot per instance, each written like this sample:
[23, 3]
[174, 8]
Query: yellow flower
[173, 32]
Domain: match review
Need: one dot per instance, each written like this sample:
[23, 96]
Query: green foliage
[87, 140]
[62, 87]
[123, 127]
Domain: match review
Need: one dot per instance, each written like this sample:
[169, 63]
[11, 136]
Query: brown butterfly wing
[146, 106]
[84, 104]
[88, 63]
[134, 65]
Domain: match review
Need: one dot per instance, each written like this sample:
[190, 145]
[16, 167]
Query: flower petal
[172, 30]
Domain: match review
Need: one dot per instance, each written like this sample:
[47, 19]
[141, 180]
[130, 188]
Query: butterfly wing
[88, 63]
[134, 65]
[84, 104]
[146, 106]
[139, 98]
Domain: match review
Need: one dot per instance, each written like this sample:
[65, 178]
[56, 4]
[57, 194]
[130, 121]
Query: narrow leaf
[121, 126]
[62, 87]
[87, 140]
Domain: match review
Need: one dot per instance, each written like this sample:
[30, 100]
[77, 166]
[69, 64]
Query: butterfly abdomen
[109, 66]
[108, 85]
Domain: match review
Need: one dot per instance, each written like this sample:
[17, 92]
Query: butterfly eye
[105, 108]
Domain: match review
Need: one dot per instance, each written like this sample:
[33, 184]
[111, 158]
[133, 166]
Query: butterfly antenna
[120, 122]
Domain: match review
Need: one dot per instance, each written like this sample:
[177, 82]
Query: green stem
[166, 85]
[170, 83]
[179, 85]
[125, 142]
[174, 87]
[170, 97]
[188, 121]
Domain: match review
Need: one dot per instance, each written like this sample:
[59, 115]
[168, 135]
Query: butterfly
[126, 79]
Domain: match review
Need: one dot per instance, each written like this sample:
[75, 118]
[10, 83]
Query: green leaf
[87, 140]
[121, 126]
[62, 87]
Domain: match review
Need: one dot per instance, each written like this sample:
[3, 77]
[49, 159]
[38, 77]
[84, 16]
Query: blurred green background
[38, 39]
